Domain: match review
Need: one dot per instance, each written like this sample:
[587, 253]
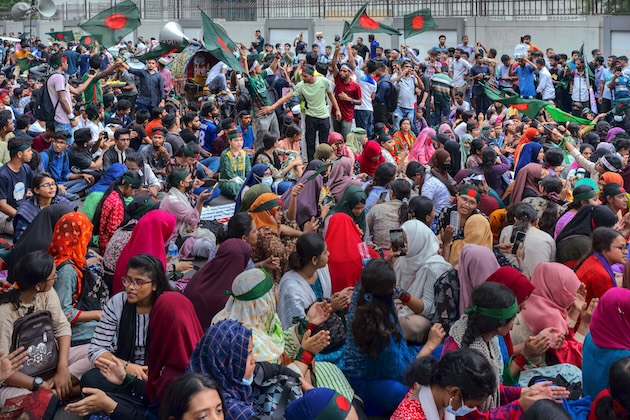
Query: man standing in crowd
[151, 85]
[347, 92]
[458, 71]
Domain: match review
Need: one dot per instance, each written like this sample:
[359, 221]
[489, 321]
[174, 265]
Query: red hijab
[149, 236]
[514, 280]
[344, 263]
[174, 332]
[368, 159]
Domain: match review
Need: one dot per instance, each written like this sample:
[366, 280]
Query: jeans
[343, 127]
[363, 119]
[442, 110]
[211, 163]
[75, 186]
[315, 127]
[481, 103]
[401, 113]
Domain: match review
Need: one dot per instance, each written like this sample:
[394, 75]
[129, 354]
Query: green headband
[271, 204]
[233, 135]
[257, 291]
[359, 130]
[470, 192]
[147, 206]
[585, 196]
[179, 176]
[320, 171]
[135, 183]
[20, 148]
[308, 70]
[188, 151]
[498, 314]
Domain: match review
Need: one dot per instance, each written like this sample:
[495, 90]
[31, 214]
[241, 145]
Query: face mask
[267, 180]
[618, 118]
[461, 411]
[248, 382]
[445, 166]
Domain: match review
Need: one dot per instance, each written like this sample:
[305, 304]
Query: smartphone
[327, 199]
[383, 196]
[518, 240]
[454, 221]
[397, 240]
[209, 183]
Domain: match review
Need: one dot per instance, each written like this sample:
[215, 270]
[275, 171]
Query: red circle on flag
[342, 403]
[417, 23]
[116, 21]
[367, 22]
[60, 36]
[222, 43]
[87, 40]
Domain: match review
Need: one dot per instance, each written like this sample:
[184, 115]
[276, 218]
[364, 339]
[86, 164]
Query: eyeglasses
[128, 281]
[622, 248]
[48, 184]
[53, 278]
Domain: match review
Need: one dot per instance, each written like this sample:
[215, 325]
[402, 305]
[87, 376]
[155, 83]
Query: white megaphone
[46, 8]
[21, 10]
[173, 36]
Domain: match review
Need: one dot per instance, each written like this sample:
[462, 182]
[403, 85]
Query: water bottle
[173, 253]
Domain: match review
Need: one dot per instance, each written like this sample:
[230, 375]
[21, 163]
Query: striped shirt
[441, 85]
[105, 337]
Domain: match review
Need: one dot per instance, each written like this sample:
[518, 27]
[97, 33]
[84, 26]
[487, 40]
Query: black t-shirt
[188, 136]
[79, 159]
[363, 51]
[137, 142]
[13, 186]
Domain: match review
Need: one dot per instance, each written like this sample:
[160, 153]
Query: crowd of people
[401, 246]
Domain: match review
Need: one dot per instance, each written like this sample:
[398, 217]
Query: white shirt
[580, 88]
[545, 85]
[368, 87]
[459, 68]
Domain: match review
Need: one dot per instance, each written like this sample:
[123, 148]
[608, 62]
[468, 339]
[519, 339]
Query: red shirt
[352, 90]
[40, 143]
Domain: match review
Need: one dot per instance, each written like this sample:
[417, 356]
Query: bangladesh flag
[87, 40]
[219, 44]
[621, 105]
[418, 22]
[109, 26]
[347, 33]
[560, 116]
[363, 23]
[65, 36]
[528, 107]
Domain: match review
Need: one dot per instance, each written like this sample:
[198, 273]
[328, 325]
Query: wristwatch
[37, 383]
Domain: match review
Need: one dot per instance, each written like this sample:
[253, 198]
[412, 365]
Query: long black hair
[384, 174]
[31, 269]
[269, 139]
[239, 225]
[619, 383]
[182, 390]
[375, 319]
[467, 369]
[122, 181]
[401, 191]
[492, 296]
[549, 217]
[37, 179]
[602, 238]
[420, 207]
[308, 245]
[525, 216]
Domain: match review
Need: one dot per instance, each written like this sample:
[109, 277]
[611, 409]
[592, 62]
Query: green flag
[219, 44]
[109, 26]
[87, 40]
[560, 116]
[621, 106]
[418, 22]
[363, 23]
[528, 107]
[65, 36]
[347, 33]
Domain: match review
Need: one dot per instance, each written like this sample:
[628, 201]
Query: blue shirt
[151, 87]
[73, 58]
[84, 64]
[526, 80]
[58, 167]
[248, 136]
[208, 133]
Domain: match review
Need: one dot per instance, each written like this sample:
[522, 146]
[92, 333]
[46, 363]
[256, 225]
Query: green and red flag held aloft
[347, 33]
[219, 44]
[109, 26]
[363, 23]
[65, 36]
[418, 22]
[560, 116]
[87, 40]
[527, 107]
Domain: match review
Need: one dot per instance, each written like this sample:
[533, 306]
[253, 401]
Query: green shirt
[258, 90]
[314, 96]
[93, 93]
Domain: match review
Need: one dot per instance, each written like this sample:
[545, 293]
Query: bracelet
[305, 357]
[405, 297]
[521, 361]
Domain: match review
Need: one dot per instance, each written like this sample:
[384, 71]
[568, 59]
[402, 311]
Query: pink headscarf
[556, 288]
[444, 128]
[613, 132]
[423, 148]
[476, 264]
[610, 323]
[336, 138]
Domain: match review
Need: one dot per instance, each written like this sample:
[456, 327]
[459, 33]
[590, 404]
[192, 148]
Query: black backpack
[44, 110]
[94, 292]
[392, 100]
[36, 333]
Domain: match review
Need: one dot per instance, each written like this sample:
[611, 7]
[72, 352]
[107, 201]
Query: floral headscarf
[70, 241]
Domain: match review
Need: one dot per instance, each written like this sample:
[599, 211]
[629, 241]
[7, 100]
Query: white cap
[318, 34]
[164, 61]
[296, 110]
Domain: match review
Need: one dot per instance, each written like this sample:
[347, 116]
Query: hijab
[206, 289]
[586, 220]
[476, 264]
[112, 173]
[265, 218]
[72, 235]
[222, 354]
[139, 206]
[341, 177]
[371, 150]
[528, 136]
[446, 129]
[308, 200]
[254, 178]
[252, 194]
[437, 160]
[476, 231]
[345, 262]
[39, 233]
[610, 323]
[423, 149]
[514, 280]
[149, 236]
[353, 140]
[257, 312]
[526, 178]
[556, 289]
[613, 132]
[529, 154]
[351, 198]
[174, 326]
[464, 150]
[611, 177]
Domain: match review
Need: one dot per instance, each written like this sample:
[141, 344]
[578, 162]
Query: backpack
[94, 293]
[392, 100]
[36, 333]
[44, 110]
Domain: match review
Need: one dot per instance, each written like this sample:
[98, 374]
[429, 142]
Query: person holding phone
[451, 220]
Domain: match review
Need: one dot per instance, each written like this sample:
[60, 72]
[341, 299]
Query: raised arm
[335, 59]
